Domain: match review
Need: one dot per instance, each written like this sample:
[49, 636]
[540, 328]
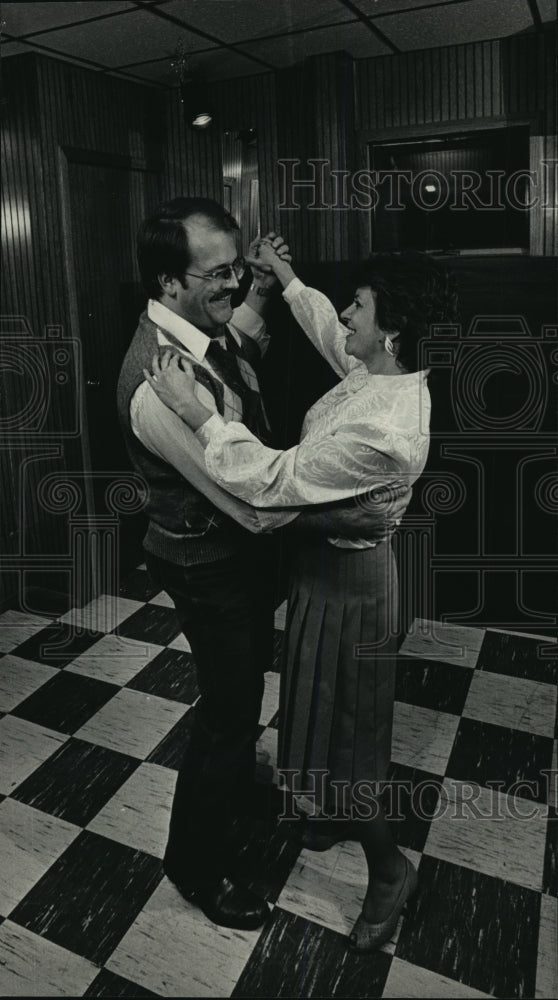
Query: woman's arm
[353, 461]
[313, 312]
[349, 462]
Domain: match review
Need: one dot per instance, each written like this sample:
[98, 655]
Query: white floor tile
[18, 626]
[526, 635]
[175, 951]
[281, 616]
[162, 600]
[30, 841]
[132, 723]
[19, 678]
[23, 747]
[450, 643]
[422, 737]
[266, 756]
[102, 614]
[329, 887]
[31, 966]
[512, 702]
[270, 702]
[406, 980]
[180, 642]
[138, 814]
[547, 964]
[490, 832]
[114, 658]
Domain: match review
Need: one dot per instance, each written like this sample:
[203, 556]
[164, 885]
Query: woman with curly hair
[369, 431]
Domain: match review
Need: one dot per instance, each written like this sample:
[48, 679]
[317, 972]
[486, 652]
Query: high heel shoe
[367, 936]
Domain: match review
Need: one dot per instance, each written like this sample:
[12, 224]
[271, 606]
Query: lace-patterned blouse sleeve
[315, 314]
[349, 461]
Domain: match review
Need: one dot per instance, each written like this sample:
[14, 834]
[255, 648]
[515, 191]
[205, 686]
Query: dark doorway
[107, 199]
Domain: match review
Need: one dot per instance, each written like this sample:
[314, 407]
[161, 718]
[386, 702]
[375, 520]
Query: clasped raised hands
[263, 255]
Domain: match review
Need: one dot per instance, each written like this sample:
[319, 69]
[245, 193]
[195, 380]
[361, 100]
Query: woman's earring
[388, 345]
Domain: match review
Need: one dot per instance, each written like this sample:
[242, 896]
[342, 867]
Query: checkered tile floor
[91, 733]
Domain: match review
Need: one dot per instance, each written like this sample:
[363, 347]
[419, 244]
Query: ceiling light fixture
[193, 96]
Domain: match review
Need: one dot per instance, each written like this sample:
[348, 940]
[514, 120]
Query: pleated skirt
[338, 678]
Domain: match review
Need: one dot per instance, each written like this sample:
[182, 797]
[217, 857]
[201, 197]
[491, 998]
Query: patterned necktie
[225, 363]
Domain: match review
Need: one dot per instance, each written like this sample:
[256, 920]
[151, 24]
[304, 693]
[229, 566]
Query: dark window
[458, 192]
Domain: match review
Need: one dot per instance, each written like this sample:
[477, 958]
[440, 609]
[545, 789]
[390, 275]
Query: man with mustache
[209, 551]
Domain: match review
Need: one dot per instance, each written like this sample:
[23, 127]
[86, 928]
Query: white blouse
[368, 431]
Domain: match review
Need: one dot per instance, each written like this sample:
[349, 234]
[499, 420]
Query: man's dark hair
[412, 292]
[162, 244]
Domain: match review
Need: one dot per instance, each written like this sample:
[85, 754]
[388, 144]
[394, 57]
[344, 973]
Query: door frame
[67, 155]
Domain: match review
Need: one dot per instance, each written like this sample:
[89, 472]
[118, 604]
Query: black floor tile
[266, 856]
[90, 896]
[65, 702]
[57, 645]
[151, 624]
[550, 876]
[171, 674]
[138, 586]
[108, 984]
[519, 656]
[431, 684]
[475, 929]
[170, 751]
[297, 958]
[43, 601]
[410, 800]
[77, 781]
[485, 753]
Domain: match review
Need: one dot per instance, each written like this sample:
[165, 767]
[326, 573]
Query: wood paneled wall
[50, 105]
[306, 112]
[315, 115]
[313, 111]
[191, 160]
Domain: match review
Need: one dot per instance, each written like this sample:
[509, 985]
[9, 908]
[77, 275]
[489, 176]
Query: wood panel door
[106, 199]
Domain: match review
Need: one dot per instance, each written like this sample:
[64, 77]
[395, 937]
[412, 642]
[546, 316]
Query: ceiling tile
[14, 49]
[22, 18]
[354, 38]
[222, 64]
[233, 20]
[471, 21]
[547, 9]
[375, 8]
[218, 64]
[158, 71]
[123, 40]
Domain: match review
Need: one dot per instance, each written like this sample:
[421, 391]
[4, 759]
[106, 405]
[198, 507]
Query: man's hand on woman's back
[373, 515]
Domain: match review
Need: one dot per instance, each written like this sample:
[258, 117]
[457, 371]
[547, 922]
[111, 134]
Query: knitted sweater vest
[184, 527]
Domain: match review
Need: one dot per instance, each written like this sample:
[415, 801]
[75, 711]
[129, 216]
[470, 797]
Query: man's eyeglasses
[223, 273]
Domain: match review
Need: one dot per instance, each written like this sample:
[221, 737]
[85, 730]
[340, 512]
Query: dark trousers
[225, 609]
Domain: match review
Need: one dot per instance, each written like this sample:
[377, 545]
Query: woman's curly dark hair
[412, 292]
